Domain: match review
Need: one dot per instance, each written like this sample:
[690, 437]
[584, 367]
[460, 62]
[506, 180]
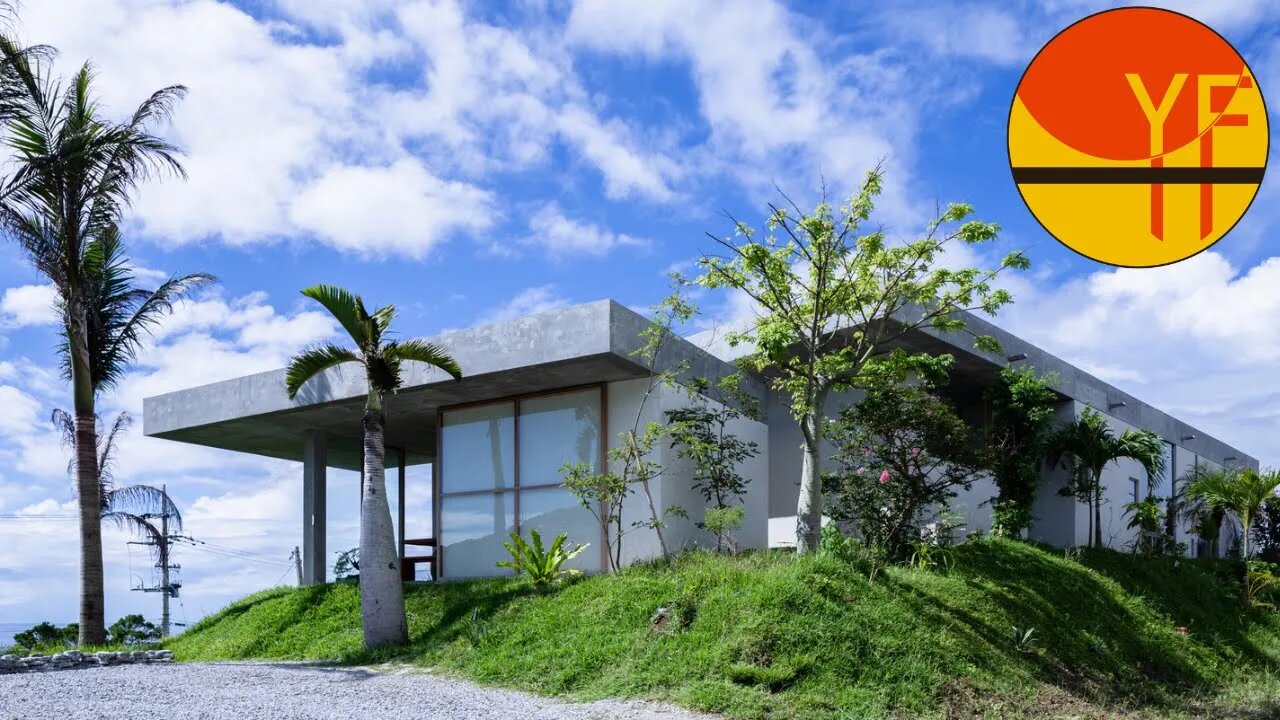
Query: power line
[263, 560]
[224, 551]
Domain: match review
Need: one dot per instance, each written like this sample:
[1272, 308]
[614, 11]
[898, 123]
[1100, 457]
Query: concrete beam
[314, 486]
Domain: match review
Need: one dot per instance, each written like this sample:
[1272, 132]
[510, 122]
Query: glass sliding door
[500, 472]
[556, 430]
[477, 482]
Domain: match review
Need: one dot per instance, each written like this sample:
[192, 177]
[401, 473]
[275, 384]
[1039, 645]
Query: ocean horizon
[9, 629]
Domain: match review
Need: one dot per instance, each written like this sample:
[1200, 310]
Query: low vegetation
[1000, 629]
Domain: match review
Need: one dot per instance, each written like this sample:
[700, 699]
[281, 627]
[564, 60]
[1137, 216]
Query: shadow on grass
[1089, 642]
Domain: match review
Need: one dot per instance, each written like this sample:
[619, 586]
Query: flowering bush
[902, 452]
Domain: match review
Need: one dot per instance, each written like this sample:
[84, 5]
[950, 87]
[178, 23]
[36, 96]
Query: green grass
[771, 635]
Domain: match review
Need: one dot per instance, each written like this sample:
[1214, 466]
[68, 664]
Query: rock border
[74, 659]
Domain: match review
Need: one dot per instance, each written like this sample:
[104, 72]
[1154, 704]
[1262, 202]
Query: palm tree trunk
[381, 588]
[1097, 511]
[89, 498]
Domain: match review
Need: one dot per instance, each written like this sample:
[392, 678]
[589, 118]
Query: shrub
[133, 630]
[901, 452]
[541, 567]
[867, 560]
[347, 567]
[46, 634]
[723, 522]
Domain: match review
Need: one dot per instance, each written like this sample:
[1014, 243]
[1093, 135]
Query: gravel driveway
[293, 691]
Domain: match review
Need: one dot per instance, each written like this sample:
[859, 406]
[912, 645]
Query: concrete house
[484, 453]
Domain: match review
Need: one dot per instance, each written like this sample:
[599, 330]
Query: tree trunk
[381, 588]
[657, 520]
[1097, 511]
[89, 497]
[809, 507]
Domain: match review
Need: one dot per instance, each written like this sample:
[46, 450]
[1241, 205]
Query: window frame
[437, 489]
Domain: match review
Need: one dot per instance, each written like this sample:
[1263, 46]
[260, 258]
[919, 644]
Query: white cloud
[21, 411]
[529, 302]
[950, 30]
[400, 209]
[288, 139]
[562, 236]
[777, 110]
[29, 305]
[626, 169]
[1193, 339]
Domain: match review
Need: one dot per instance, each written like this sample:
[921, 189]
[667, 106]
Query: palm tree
[381, 593]
[128, 507]
[1238, 492]
[73, 175]
[1087, 446]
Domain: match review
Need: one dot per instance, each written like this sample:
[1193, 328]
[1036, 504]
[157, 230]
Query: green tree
[46, 634]
[1239, 492]
[831, 295]
[631, 462]
[1022, 406]
[901, 451]
[1087, 446]
[133, 630]
[700, 433]
[130, 507]
[73, 173]
[1146, 518]
[381, 593]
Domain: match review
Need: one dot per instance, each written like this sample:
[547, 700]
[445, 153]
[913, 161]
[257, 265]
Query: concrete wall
[674, 486]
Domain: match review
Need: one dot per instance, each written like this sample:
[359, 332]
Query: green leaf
[312, 362]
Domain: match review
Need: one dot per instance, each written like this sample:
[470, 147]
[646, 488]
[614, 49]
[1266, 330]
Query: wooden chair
[409, 563]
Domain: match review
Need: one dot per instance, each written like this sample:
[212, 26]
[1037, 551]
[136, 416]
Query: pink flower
[915, 453]
[884, 477]
[862, 471]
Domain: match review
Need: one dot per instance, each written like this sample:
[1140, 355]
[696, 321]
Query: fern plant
[541, 566]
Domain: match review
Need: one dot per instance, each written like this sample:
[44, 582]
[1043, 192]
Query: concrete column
[314, 466]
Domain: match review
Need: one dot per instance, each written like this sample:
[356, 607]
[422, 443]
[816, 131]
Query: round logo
[1138, 137]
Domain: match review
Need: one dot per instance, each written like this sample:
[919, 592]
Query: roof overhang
[590, 343]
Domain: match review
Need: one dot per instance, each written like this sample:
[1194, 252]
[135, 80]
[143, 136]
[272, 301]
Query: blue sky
[472, 163]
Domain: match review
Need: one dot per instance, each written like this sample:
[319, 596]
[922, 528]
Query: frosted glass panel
[472, 530]
[555, 430]
[552, 511]
[478, 448]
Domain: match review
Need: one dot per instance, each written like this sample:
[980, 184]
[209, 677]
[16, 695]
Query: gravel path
[292, 691]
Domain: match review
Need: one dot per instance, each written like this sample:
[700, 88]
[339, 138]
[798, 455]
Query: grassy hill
[771, 635]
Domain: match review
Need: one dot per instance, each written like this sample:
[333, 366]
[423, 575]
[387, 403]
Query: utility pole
[297, 563]
[163, 543]
[164, 566]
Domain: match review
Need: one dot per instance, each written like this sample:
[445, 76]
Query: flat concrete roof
[578, 345]
[975, 369]
[589, 343]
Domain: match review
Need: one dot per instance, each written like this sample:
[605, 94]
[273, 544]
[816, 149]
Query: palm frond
[345, 307]
[65, 422]
[312, 362]
[425, 352]
[143, 500]
[140, 527]
[107, 452]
